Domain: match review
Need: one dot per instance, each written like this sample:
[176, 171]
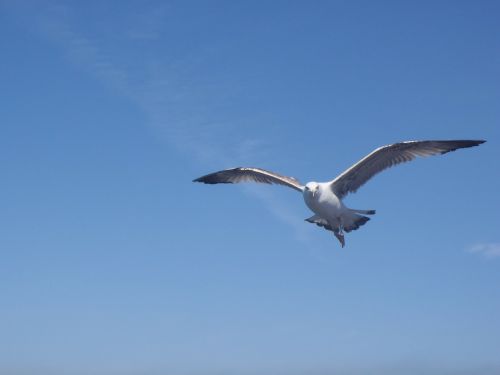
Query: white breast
[324, 203]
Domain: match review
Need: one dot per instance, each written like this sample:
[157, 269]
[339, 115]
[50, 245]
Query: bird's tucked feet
[340, 237]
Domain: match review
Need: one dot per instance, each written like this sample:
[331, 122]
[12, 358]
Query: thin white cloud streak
[277, 208]
[179, 110]
[487, 250]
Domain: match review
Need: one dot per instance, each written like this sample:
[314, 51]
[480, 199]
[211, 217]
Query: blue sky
[114, 262]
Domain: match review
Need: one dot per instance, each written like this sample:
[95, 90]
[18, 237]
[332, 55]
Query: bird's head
[312, 188]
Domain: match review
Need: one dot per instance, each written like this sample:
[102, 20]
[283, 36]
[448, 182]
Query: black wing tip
[472, 142]
[465, 143]
[469, 142]
[210, 181]
[202, 179]
[207, 179]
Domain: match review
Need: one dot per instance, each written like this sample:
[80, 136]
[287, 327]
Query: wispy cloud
[487, 250]
[179, 106]
[184, 109]
[148, 23]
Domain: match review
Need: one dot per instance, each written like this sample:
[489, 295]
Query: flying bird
[325, 198]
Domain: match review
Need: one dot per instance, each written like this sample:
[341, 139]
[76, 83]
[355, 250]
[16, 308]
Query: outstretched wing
[387, 156]
[240, 174]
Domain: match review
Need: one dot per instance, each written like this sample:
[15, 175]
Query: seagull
[325, 198]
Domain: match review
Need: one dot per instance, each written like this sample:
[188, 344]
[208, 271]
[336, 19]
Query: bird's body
[327, 207]
[325, 198]
[321, 200]
[330, 212]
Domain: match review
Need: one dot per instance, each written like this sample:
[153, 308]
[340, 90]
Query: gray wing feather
[241, 174]
[387, 156]
[320, 222]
